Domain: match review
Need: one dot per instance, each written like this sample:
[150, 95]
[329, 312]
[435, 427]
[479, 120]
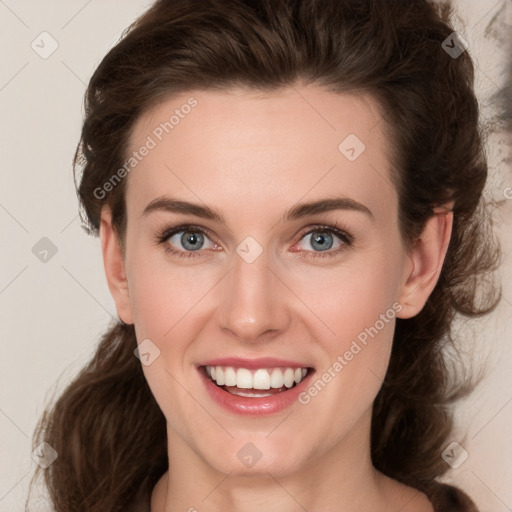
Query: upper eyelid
[166, 233]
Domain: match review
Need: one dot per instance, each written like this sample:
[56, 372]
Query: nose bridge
[251, 303]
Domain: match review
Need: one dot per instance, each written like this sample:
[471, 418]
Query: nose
[253, 301]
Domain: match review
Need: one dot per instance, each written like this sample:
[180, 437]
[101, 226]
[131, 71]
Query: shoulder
[447, 498]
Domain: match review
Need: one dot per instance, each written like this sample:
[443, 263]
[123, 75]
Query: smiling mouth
[254, 383]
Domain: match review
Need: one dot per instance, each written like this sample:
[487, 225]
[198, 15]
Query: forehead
[240, 147]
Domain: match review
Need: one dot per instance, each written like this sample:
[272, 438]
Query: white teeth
[229, 377]
[219, 376]
[288, 377]
[243, 379]
[261, 378]
[277, 379]
[249, 394]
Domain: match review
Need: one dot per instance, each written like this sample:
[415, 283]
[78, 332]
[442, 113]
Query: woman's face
[267, 283]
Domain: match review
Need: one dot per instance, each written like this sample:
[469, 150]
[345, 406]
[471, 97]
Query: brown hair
[390, 50]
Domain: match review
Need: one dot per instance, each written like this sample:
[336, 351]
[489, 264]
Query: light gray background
[53, 312]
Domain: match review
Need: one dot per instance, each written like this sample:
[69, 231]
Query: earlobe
[427, 256]
[113, 262]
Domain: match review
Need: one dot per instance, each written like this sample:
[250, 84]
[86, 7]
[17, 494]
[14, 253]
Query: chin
[251, 458]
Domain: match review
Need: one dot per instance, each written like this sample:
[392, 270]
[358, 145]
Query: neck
[340, 479]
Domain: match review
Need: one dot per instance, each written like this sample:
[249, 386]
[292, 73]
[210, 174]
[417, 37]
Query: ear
[113, 262]
[427, 257]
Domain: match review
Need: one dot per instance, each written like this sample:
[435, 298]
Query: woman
[287, 357]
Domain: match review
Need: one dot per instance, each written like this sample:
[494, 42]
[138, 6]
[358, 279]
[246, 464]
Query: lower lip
[258, 406]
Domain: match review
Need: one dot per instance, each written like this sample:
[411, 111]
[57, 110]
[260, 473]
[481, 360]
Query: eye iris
[195, 239]
[321, 240]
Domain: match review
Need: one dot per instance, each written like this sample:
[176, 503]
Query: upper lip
[262, 362]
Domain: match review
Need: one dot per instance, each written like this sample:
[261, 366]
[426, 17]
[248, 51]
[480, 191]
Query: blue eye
[323, 238]
[187, 241]
[190, 238]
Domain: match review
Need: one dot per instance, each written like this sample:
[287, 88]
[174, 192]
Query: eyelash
[345, 237]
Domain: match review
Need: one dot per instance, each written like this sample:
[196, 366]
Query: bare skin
[252, 156]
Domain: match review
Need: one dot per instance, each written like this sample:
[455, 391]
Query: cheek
[162, 292]
[357, 309]
[350, 300]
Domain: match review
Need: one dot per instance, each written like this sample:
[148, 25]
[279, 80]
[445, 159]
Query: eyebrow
[299, 211]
